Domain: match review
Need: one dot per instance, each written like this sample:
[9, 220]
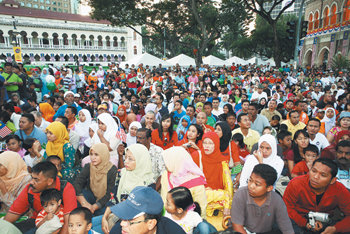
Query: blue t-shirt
[177, 116]
[36, 133]
[62, 110]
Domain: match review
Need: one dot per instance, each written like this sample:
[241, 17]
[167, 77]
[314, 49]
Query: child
[183, 126]
[13, 143]
[257, 208]
[243, 152]
[51, 218]
[181, 209]
[57, 162]
[79, 221]
[275, 122]
[311, 153]
[34, 152]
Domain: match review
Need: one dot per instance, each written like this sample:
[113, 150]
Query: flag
[4, 130]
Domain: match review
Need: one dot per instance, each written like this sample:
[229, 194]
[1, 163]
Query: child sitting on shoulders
[79, 221]
[34, 153]
[51, 218]
[311, 153]
[57, 162]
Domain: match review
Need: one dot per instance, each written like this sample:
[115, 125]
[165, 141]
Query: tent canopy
[213, 61]
[183, 60]
[146, 59]
[235, 60]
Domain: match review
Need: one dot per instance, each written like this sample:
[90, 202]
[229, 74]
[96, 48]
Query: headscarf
[199, 107]
[329, 123]
[16, 169]
[271, 140]
[82, 128]
[94, 127]
[98, 174]
[180, 127]
[121, 118]
[47, 111]
[130, 140]
[212, 163]
[181, 167]
[142, 175]
[62, 137]
[111, 130]
[226, 135]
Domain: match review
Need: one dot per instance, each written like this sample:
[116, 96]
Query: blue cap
[140, 200]
[344, 114]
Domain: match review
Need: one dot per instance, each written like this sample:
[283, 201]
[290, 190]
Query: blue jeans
[97, 224]
[204, 228]
[90, 197]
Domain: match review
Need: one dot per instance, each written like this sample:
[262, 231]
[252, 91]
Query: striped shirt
[42, 214]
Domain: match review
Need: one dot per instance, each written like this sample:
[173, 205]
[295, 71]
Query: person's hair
[297, 156]
[199, 131]
[291, 112]
[192, 106]
[276, 117]
[9, 107]
[64, 120]
[315, 119]
[216, 99]
[329, 163]
[255, 105]
[4, 116]
[244, 101]
[312, 148]
[344, 143]
[231, 114]
[53, 157]
[50, 195]
[179, 101]
[208, 104]
[183, 199]
[28, 143]
[147, 131]
[83, 211]
[12, 137]
[289, 101]
[28, 116]
[239, 118]
[239, 137]
[170, 129]
[160, 96]
[36, 113]
[47, 168]
[266, 172]
[73, 109]
[153, 216]
[283, 134]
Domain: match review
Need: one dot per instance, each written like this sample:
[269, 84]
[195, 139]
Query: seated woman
[47, 111]
[82, 128]
[165, 136]
[96, 181]
[131, 136]
[219, 188]
[330, 152]
[58, 144]
[13, 178]
[343, 124]
[193, 139]
[182, 171]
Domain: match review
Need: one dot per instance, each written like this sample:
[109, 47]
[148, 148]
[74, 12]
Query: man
[131, 80]
[259, 122]
[67, 79]
[271, 110]
[27, 129]
[293, 122]
[141, 213]
[316, 94]
[69, 99]
[10, 109]
[149, 121]
[216, 109]
[250, 136]
[44, 176]
[177, 113]
[231, 120]
[316, 138]
[327, 99]
[343, 161]
[202, 121]
[256, 96]
[32, 102]
[318, 191]
[70, 114]
[23, 76]
[143, 136]
[244, 106]
[40, 122]
[162, 110]
[12, 80]
[191, 111]
[300, 106]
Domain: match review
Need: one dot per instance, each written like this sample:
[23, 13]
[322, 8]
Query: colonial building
[328, 32]
[66, 6]
[55, 36]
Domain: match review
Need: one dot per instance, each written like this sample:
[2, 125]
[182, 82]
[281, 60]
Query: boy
[36, 153]
[79, 221]
[54, 159]
[311, 153]
[51, 218]
[256, 207]
[285, 141]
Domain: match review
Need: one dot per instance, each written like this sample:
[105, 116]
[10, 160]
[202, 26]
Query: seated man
[27, 129]
[343, 161]
[318, 191]
[257, 207]
[44, 176]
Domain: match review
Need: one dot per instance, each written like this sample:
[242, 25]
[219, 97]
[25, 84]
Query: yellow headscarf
[62, 137]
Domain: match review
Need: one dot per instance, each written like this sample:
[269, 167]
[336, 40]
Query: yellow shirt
[250, 139]
[293, 128]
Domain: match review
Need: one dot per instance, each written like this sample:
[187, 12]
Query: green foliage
[340, 63]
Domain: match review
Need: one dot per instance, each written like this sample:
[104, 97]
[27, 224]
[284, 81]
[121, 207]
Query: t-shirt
[31, 162]
[344, 177]
[14, 78]
[320, 141]
[36, 133]
[300, 168]
[42, 214]
[189, 222]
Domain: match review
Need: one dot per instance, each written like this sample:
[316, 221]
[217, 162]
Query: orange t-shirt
[166, 143]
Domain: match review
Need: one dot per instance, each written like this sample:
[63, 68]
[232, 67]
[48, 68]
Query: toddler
[310, 155]
[80, 221]
[34, 152]
[13, 143]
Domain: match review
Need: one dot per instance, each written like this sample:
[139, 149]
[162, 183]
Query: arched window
[326, 17]
[334, 14]
[317, 20]
[311, 23]
[346, 11]
[135, 50]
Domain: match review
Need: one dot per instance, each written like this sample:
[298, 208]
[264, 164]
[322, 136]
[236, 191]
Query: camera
[317, 216]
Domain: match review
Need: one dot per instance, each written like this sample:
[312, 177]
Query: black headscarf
[226, 135]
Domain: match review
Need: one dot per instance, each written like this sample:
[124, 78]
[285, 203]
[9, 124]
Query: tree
[340, 63]
[190, 25]
[258, 7]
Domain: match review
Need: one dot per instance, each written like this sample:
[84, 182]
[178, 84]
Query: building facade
[292, 10]
[66, 6]
[328, 32]
[48, 36]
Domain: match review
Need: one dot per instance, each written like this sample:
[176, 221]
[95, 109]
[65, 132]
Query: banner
[314, 51]
[331, 51]
[18, 54]
[301, 52]
[345, 43]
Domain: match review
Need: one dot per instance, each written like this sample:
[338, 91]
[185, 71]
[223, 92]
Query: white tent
[146, 59]
[213, 61]
[252, 60]
[235, 60]
[183, 60]
[265, 62]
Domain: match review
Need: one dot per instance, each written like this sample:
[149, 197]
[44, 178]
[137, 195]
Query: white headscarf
[82, 128]
[329, 123]
[130, 140]
[271, 140]
[111, 130]
[94, 127]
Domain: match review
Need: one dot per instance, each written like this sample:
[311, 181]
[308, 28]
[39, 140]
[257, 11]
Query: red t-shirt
[300, 168]
[132, 84]
[164, 144]
[21, 204]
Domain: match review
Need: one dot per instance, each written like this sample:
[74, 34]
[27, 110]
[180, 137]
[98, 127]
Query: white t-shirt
[320, 141]
[31, 162]
[217, 112]
[189, 222]
[258, 96]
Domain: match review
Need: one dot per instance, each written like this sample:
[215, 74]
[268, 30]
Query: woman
[121, 113]
[300, 141]
[262, 104]
[237, 96]
[182, 171]
[14, 177]
[165, 137]
[43, 75]
[329, 120]
[219, 188]
[96, 181]
[58, 144]
[47, 111]
[192, 141]
[330, 151]
[227, 109]
[344, 124]
[131, 136]
[82, 128]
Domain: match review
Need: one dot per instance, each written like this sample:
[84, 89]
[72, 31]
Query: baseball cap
[141, 200]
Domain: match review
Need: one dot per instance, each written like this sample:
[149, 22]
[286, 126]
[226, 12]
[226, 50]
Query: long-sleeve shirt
[300, 200]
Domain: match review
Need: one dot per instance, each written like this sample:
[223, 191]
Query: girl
[193, 139]
[344, 124]
[242, 147]
[34, 152]
[227, 108]
[121, 113]
[14, 144]
[183, 126]
[180, 208]
[131, 136]
[328, 122]
[82, 127]
[165, 137]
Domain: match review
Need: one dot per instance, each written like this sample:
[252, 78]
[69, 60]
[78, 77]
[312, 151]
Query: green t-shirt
[13, 78]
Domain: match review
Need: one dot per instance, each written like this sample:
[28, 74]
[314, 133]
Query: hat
[344, 114]
[46, 96]
[68, 92]
[102, 106]
[77, 95]
[140, 200]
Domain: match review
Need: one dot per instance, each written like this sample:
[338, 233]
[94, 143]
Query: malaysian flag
[4, 130]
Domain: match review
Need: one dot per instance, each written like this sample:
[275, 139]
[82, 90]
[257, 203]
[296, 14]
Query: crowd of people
[144, 149]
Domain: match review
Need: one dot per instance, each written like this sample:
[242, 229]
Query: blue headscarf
[180, 127]
[44, 89]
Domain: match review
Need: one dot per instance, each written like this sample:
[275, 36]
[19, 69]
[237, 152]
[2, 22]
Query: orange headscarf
[47, 111]
[121, 118]
[62, 137]
[212, 163]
